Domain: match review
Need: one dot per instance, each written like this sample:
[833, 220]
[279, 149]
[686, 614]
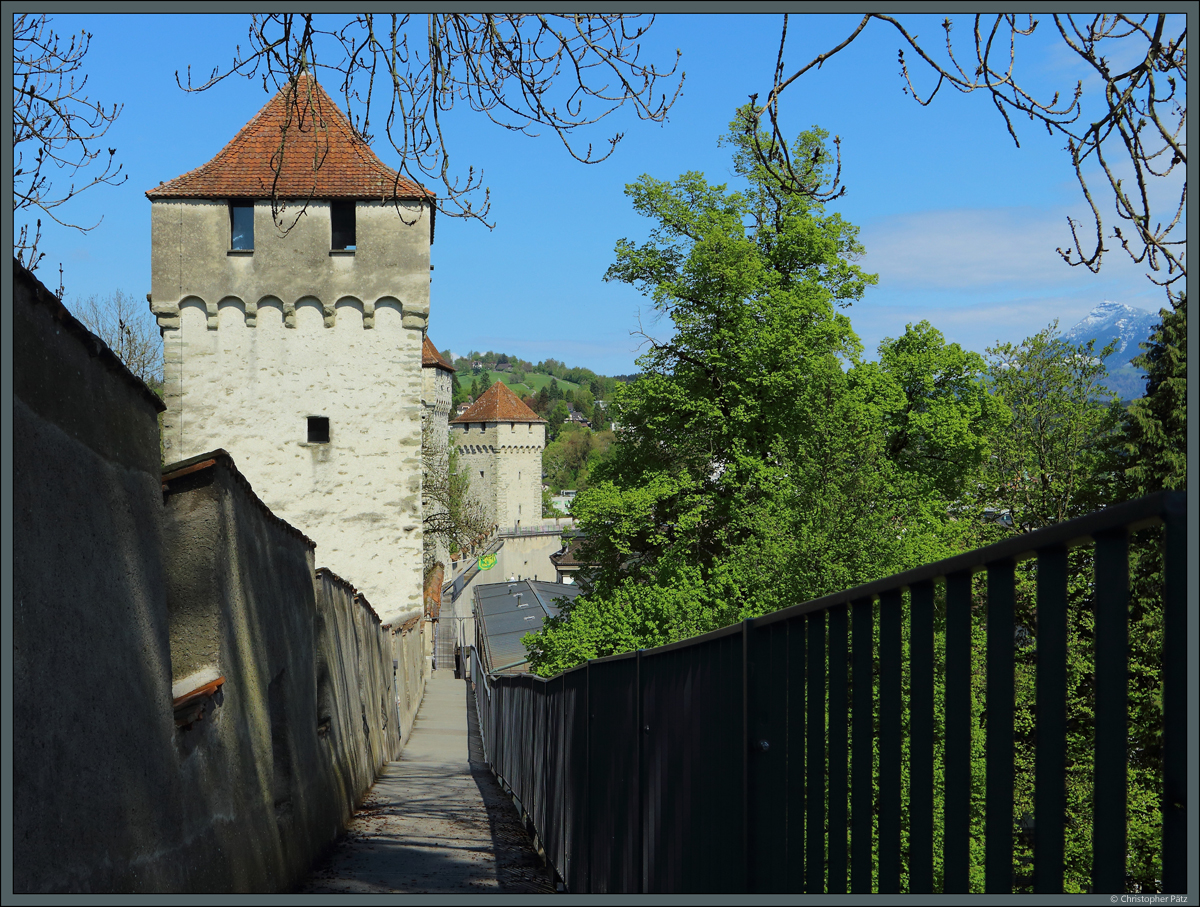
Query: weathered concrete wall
[191, 239]
[505, 463]
[95, 775]
[366, 723]
[129, 595]
[255, 343]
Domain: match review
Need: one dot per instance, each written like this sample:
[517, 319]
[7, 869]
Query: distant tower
[298, 350]
[500, 440]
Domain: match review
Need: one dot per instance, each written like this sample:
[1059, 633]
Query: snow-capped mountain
[1129, 327]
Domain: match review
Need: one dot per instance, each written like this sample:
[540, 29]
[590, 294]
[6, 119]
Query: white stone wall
[506, 468]
[255, 344]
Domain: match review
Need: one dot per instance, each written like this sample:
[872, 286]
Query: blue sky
[960, 225]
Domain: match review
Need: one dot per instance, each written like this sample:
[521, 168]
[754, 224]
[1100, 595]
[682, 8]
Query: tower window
[341, 215]
[241, 226]
[318, 429]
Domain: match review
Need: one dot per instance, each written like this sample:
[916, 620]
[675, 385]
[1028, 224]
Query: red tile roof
[322, 156]
[498, 404]
[431, 358]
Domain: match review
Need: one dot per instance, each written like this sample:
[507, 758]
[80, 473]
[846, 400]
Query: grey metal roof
[504, 612]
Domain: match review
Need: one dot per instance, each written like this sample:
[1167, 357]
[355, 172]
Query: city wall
[196, 707]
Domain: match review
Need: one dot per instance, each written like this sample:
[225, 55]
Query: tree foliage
[452, 515]
[1154, 432]
[760, 462]
[1049, 466]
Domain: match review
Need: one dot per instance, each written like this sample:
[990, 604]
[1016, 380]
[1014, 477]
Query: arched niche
[389, 314]
[231, 313]
[193, 314]
[270, 313]
[348, 314]
[310, 314]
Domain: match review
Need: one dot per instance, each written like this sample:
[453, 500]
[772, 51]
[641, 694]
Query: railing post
[1112, 645]
[587, 784]
[642, 818]
[920, 739]
[890, 705]
[815, 818]
[745, 748]
[796, 741]
[839, 754]
[1175, 719]
[956, 840]
[1050, 798]
[862, 789]
[998, 816]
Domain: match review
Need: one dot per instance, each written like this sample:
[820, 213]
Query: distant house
[566, 560]
[463, 407]
[503, 367]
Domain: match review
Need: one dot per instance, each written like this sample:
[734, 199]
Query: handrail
[624, 763]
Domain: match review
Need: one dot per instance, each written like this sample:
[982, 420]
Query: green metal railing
[745, 759]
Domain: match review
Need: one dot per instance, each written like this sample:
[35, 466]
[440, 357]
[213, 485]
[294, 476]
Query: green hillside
[534, 382]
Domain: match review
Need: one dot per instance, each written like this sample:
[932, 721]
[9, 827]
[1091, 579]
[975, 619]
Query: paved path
[436, 821]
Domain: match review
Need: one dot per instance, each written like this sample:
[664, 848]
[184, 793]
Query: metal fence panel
[693, 739]
[767, 745]
[726, 763]
[613, 778]
[573, 867]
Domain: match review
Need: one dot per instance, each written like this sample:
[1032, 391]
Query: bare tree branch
[451, 514]
[1144, 108]
[56, 127]
[522, 72]
[129, 331]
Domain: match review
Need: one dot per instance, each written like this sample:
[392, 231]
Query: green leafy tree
[458, 393]
[555, 420]
[1153, 439]
[1048, 463]
[1150, 454]
[754, 469]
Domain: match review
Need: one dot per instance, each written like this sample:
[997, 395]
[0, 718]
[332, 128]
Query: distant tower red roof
[431, 358]
[498, 404]
[322, 157]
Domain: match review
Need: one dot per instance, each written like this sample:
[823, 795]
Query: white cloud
[982, 249]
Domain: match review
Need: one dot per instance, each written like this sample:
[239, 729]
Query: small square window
[241, 226]
[318, 429]
[341, 215]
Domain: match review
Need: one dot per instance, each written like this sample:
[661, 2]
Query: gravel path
[436, 821]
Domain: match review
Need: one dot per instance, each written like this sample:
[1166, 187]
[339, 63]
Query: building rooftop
[568, 554]
[498, 404]
[299, 146]
[431, 358]
[504, 612]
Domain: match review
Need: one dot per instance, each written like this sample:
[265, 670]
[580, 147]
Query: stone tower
[292, 335]
[500, 440]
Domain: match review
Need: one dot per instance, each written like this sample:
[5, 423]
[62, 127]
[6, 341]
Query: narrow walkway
[436, 821]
